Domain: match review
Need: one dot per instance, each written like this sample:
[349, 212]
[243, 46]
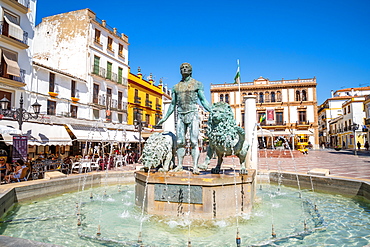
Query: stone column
[250, 120]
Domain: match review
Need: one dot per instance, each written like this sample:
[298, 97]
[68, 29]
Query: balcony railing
[277, 123]
[158, 107]
[367, 121]
[137, 100]
[96, 70]
[3, 74]
[148, 103]
[303, 122]
[4, 30]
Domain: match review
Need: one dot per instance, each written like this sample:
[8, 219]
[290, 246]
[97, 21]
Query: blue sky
[274, 39]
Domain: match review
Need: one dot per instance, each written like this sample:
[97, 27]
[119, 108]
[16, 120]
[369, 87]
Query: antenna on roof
[363, 84]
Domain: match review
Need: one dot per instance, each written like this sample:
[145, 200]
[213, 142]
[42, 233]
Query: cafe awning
[38, 134]
[99, 134]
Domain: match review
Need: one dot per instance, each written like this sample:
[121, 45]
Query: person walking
[366, 146]
[358, 145]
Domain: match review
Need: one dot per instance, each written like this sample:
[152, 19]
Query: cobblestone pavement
[342, 163]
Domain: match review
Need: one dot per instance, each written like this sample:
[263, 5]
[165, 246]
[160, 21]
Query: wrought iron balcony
[137, 100]
[158, 107]
[3, 74]
[4, 30]
[100, 71]
[303, 122]
[148, 103]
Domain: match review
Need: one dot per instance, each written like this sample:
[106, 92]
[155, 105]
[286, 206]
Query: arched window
[297, 95]
[278, 96]
[256, 94]
[221, 97]
[304, 95]
[226, 98]
[261, 99]
[267, 97]
[273, 97]
[249, 93]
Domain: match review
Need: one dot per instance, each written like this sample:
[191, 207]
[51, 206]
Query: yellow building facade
[144, 100]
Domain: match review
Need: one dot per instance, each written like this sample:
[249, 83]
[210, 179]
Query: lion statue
[159, 151]
[225, 137]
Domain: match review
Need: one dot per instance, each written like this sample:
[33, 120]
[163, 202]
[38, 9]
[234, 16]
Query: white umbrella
[9, 130]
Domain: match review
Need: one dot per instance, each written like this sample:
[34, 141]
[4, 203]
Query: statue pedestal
[211, 196]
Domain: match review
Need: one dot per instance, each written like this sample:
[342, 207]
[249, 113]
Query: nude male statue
[185, 95]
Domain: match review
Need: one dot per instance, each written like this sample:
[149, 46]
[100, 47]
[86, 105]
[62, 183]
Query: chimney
[332, 93]
[139, 73]
[352, 92]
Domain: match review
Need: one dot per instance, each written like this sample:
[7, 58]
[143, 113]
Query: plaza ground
[343, 163]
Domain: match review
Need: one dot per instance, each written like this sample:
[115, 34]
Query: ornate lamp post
[139, 127]
[19, 114]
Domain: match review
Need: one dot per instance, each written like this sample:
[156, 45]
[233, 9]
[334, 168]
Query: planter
[75, 99]
[338, 149]
[53, 94]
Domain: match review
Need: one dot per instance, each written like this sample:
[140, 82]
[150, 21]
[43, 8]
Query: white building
[16, 45]
[332, 108]
[82, 45]
[347, 129]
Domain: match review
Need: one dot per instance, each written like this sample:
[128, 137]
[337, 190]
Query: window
[96, 94]
[120, 100]
[272, 96]
[120, 71]
[344, 110]
[109, 71]
[349, 109]
[9, 67]
[120, 50]
[226, 98]
[73, 111]
[278, 96]
[304, 95]
[243, 115]
[279, 118]
[221, 98]
[147, 119]
[97, 36]
[302, 117]
[52, 105]
[10, 26]
[73, 88]
[297, 95]
[261, 99]
[110, 44]
[109, 98]
[96, 65]
[51, 82]
[267, 97]
[120, 118]
[96, 114]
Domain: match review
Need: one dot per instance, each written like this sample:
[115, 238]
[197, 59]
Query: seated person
[5, 168]
[17, 172]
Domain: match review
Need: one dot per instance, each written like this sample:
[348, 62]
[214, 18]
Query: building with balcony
[144, 101]
[367, 118]
[285, 108]
[16, 47]
[80, 44]
[348, 128]
[332, 108]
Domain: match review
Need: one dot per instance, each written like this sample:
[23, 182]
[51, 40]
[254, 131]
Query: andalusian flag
[262, 118]
[237, 76]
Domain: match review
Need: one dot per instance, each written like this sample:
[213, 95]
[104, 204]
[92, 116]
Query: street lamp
[139, 127]
[19, 114]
